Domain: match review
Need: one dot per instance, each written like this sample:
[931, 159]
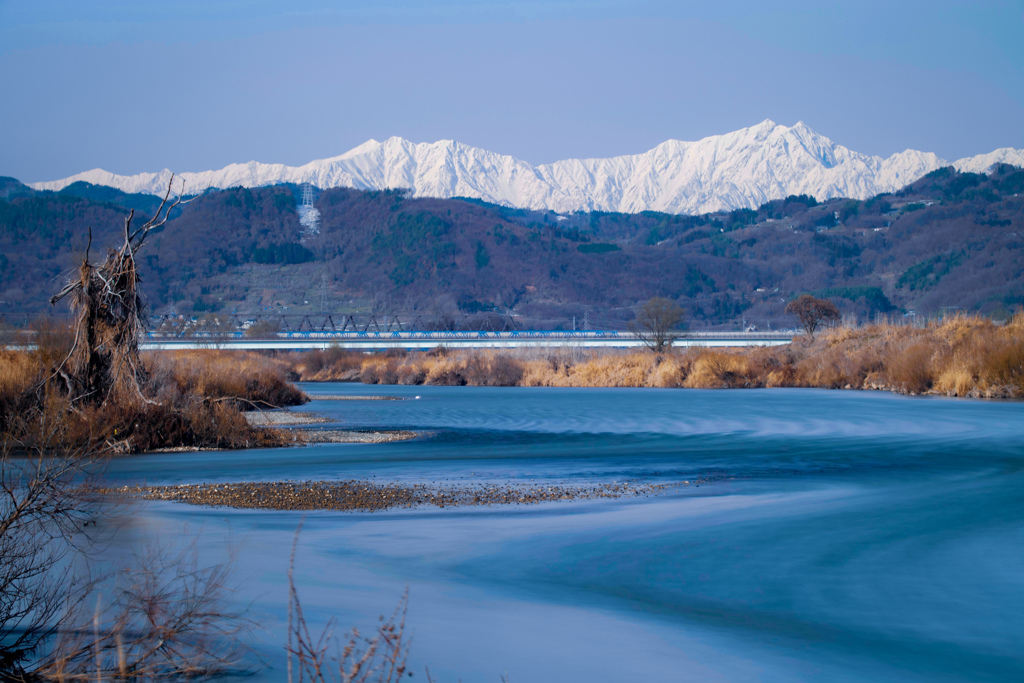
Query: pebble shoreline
[372, 496]
[278, 418]
[345, 436]
[287, 418]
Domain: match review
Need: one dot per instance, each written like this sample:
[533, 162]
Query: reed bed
[962, 355]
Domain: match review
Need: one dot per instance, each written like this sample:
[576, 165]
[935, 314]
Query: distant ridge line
[742, 169]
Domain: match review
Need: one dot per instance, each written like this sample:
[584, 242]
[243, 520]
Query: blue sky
[137, 86]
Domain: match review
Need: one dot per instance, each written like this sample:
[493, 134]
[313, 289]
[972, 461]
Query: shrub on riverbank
[192, 399]
[331, 364]
[959, 356]
[247, 380]
[88, 382]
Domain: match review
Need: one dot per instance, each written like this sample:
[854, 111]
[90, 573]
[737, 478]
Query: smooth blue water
[844, 535]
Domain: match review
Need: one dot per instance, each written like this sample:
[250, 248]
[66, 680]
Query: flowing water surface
[840, 535]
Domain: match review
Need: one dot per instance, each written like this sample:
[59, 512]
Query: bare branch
[156, 221]
[382, 657]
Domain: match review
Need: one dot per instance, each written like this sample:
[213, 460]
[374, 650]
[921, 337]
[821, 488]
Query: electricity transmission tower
[309, 216]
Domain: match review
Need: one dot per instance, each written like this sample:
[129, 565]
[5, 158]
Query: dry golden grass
[960, 355]
[1002, 367]
[250, 380]
[610, 370]
[195, 399]
[908, 368]
[328, 364]
[716, 369]
[18, 372]
[955, 380]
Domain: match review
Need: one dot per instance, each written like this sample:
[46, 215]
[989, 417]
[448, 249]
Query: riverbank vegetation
[90, 379]
[189, 399]
[961, 355]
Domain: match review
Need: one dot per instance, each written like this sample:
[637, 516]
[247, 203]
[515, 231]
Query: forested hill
[949, 240]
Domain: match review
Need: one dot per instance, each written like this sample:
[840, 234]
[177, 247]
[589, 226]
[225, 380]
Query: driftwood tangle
[105, 299]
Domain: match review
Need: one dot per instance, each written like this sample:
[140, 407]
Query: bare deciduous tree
[811, 312]
[657, 323]
[104, 358]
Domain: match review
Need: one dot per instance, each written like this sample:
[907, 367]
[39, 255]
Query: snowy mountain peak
[742, 169]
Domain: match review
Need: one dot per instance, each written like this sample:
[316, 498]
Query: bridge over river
[424, 340]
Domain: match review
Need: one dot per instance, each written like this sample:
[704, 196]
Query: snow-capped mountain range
[722, 172]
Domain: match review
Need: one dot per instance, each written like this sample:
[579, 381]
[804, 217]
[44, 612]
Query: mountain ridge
[741, 169]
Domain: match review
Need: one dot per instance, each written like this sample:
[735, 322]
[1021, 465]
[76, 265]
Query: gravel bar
[373, 496]
[349, 397]
[345, 436]
[278, 418]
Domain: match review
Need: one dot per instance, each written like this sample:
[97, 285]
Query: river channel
[841, 536]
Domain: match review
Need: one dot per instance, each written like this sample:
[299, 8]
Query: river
[839, 535]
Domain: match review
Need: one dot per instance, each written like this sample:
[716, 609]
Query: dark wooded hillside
[949, 240]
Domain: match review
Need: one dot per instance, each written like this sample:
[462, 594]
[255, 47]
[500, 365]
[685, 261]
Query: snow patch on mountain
[742, 169]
